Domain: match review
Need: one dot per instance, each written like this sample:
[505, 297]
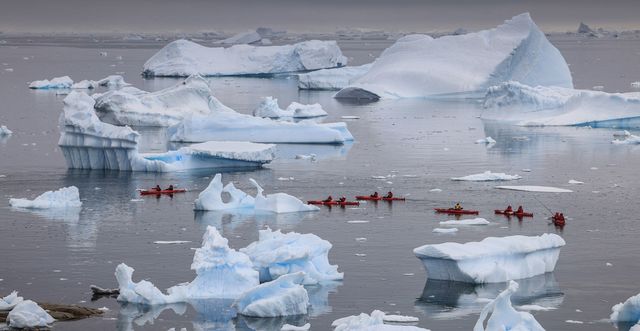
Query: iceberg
[247, 37]
[487, 140]
[88, 143]
[284, 296]
[4, 131]
[519, 104]
[459, 66]
[276, 254]
[222, 272]
[492, 260]
[182, 58]
[66, 197]
[629, 311]
[28, 315]
[269, 108]
[63, 82]
[373, 322]
[279, 202]
[504, 316]
[332, 79]
[488, 176]
[533, 188]
[10, 301]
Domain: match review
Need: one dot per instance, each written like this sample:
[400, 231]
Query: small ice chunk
[504, 317]
[474, 221]
[435, 190]
[10, 301]
[487, 140]
[400, 319]
[66, 197]
[311, 157]
[284, 296]
[635, 84]
[575, 182]
[289, 327]
[269, 108]
[532, 188]
[63, 82]
[629, 311]
[373, 322]
[171, 242]
[534, 308]
[441, 230]
[27, 314]
[357, 222]
[574, 322]
[349, 117]
[488, 176]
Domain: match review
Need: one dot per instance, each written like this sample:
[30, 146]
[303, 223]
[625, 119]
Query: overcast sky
[306, 16]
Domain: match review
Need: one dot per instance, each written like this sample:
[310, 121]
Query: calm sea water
[416, 144]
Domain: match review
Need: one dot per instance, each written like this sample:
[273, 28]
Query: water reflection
[446, 300]
[140, 315]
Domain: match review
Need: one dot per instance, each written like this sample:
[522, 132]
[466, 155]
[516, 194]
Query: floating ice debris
[284, 179]
[488, 176]
[474, 221]
[4, 131]
[136, 200]
[8, 69]
[598, 88]
[574, 322]
[441, 230]
[171, 242]
[575, 182]
[103, 54]
[10, 301]
[349, 117]
[435, 190]
[362, 239]
[504, 317]
[360, 254]
[635, 84]
[531, 188]
[487, 140]
[625, 138]
[629, 311]
[66, 197]
[289, 327]
[283, 296]
[183, 58]
[63, 82]
[357, 222]
[269, 108]
[331, 79]
[609, 264]
[400, 319]
[512, 257]
[534, 308]
[373, 322]
[311, 157]
[27, 314]
[526, 170]
[462, 66]
[276, 254]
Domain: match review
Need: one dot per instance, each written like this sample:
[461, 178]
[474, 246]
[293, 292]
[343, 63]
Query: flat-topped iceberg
[28, 315]
[419, 66]
[183, 58]
[629, 311]
[276, 254]
[492, 260]
[63, 82]
[66, 197]
[519, 104]
[284, 296]
[487, 176]
[504, 316]
[88, 143]
[373, 322]
[268, 107]
[332, 79]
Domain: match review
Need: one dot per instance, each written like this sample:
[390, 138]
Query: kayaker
[374, 195]
[342, 199]
[389, 195]
[170, 188]
[457, 206]
[328, 199]
[562, 217]
[556, 216]
[509, 210]
[520, 210]
[158, 188]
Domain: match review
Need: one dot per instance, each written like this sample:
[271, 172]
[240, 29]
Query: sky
[167, 16]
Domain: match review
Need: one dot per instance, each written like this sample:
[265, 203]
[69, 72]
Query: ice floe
[488, 176]
[331, 79]
[184, 58]
[533, 188]
[269, 108]
[28, 315]
[473, 221]
[283, 296]
[627, 139]
[575, 182]
[419, 66]
[487, 140]
[442, 230]
[373, 322]
[66, 197]
[10, 301]
[629, 311]
[4, 131]
[512, 257]
[63, 82]
[112, 81]
[504, 316]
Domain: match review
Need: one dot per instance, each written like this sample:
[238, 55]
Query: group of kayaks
[557, 219]
[159, 191]
[343, 201]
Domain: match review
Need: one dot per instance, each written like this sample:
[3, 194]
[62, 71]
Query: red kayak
[557, 221]
[513, 213]
[456, 211]
[370, 198]
[156, 192]
[333, 203]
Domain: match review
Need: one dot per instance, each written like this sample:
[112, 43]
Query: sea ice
[28, 315]
[63, 82]
[504, 316]
[474, 221]
[276, 254]
[629, 311]
[10, 301]
[491, 260]
[283, 296]
[532, 188]
[184, 58]
[4, 131]
[419, 66]
[635, 84]
[66, 197]
[331, 79]
[629, 139]
[269, 108]
[487, 140]
[488, 176]
[373, 322]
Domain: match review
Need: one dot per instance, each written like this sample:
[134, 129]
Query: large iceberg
[373, 322]
[268, 107]
[519, 104]
[281, 297]
[332, 79]
[184, 58]
[66, 197]
[28, 315]
[419, 66]
[63, 82]
[629, 311]
[88, 143]
[276, 254]
[504, 317]
[492, 260]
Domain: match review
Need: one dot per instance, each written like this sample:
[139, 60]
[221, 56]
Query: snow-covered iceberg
[276, 254]
[332, 79]
[183, 58]
[504, 316]
[112, 81]
[269, 108]
[418, 66]
[88, 143]
[373, 322]
[493, 259]
[281, 297]
[4, 131]
[222, 272]
[66, 197]
[523, 105]
[28, 315]
[63, 82]
[629, 311]
[10, 301]
[487, 176]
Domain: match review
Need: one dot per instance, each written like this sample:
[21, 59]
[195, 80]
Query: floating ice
[276, 254]
[28, 315]
[283, 296]
[184, 58]
[419, 66]
[247, 37]
[289, 327]
[373, 322]
[400, 319]
[628, 139]
[4, 131]
[491, 260]
[488, 176]
[629, 311]
[487, 140]
[279, 202]
[63, 82]
[524, 105]
[532, 188]
[66, 197]
[331, 79]
[269, 108]
[10, 301]
[635, 84]
[504, 317]
[441, 230]
[171, 242]
[575, 182]
[474, 221]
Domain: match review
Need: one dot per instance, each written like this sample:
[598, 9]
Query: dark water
[418, 144]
